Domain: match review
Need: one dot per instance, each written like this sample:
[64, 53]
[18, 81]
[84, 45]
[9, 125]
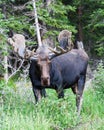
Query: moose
[58, 70]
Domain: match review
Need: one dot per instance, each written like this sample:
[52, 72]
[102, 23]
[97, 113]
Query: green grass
[18, 112]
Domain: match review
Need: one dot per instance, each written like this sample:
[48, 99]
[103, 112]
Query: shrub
[98, 82]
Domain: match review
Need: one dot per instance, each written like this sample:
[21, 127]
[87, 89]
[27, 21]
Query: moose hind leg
[78, 103]
[60, 92]
[79, 93]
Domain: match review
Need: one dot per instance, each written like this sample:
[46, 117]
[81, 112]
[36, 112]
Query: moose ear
[34, 57]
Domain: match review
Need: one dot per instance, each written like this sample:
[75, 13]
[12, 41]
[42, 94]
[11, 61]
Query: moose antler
[18, 44]
[62, 51]
[54, 51]
[29, 53]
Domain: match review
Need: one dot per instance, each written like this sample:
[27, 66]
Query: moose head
[42, 56]
[42, 59]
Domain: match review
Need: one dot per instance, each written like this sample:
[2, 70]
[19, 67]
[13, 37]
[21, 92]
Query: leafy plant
[98, 82]
[99, 49]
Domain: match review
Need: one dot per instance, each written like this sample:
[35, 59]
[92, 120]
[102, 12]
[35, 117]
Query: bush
[98, 82]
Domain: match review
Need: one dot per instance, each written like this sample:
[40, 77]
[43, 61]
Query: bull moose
[58, 70]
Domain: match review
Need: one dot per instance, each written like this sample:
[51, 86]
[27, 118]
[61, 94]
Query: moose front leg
[37, 94]
[43, 92]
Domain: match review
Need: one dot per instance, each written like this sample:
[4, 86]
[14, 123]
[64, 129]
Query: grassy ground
[18, 112]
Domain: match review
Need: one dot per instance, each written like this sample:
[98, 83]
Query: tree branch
[22, 61]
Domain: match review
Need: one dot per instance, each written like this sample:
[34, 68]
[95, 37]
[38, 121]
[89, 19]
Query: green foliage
[2, 84]
[59, 19]
[18, 112]
[2, 51]
[57, 16]
[99, 49]
[93, 24]
[91, 18]
[54, 17]
[98, 82]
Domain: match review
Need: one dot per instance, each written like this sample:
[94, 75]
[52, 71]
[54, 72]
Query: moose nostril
[44, 78]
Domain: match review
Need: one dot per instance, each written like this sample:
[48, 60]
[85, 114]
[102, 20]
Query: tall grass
[18, 111]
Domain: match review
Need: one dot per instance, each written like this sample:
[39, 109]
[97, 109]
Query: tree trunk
[6, 66]
[79, 23]
[37, 23]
